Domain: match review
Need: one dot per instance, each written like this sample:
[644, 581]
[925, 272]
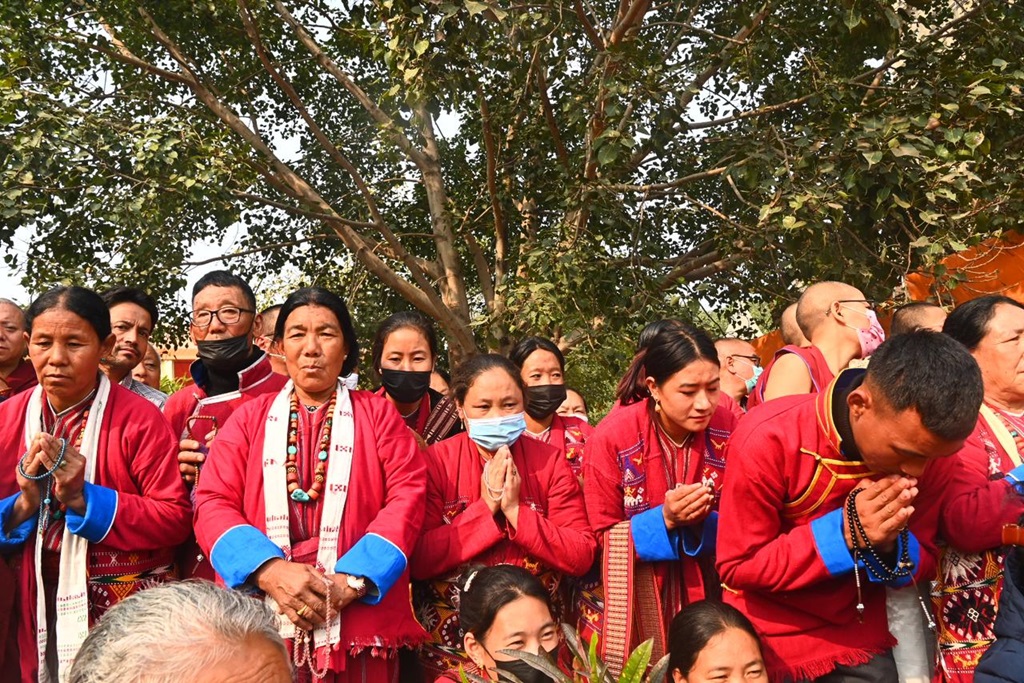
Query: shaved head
[17, 313]
[733, 347]
[791, 334]
[917, 315]
[816, 301]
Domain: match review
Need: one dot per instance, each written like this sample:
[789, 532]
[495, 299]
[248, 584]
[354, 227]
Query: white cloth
[72, 588]
[275, 493]
[914, 653]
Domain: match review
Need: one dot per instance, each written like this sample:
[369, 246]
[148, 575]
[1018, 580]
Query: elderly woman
[100, 506]
[184, 632]
[542, 369]
[493, 498]
[272, 509]
[988, 494]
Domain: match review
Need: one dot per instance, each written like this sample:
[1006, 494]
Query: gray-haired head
[181, 633]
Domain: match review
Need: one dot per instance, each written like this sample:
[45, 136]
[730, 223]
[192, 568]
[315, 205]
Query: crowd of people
[852, 512]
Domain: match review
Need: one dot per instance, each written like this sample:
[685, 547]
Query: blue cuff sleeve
[651, 539]
[240, 551]
[100, 510]
[18, 534]
[376, 559]
[827, 531]
[701, 539]
[913, 552]
[1016, 478]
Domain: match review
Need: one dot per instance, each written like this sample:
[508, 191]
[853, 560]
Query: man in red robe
[841, 326]
[831, 497]
[16, 373]
[230, 371]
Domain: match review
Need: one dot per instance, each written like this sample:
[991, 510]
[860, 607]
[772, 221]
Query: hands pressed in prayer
[298, 589]
[69, 477]
[494, 479]
[510, 498]
[687, 504]
[884, 508]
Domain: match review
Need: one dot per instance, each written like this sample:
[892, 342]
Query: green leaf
[852, 18]
[905, 151]
[974, 139]
[421, 46]
[873, 158]
[476, 7]
[999, 63]
[637, 663]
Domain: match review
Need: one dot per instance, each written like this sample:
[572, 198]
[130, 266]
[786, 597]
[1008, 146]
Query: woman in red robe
[493, 498]
[271, 508]
[404, 355]
[542, 369]
[652, 476]
[99, 506]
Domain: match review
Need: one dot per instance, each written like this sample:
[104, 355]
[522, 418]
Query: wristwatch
[358, 584]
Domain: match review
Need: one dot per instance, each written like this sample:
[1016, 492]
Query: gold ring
[62, 465]
[301, 610]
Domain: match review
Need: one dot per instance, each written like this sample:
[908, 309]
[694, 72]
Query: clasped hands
[68, 477]
[300, 591]
[687, 504]
[500, 484]
[884, 508]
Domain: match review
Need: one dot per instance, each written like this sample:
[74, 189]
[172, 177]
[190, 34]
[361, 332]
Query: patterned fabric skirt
[966, 599]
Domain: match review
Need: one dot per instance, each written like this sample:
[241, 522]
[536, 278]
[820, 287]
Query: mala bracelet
[49, 473]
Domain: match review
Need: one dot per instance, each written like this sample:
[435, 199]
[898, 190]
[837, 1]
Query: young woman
[542, 369]
[493, 498]
[272, 508]
[97, 506]
[711, 641]
[404, 356]
[504, 608]
[652, 476]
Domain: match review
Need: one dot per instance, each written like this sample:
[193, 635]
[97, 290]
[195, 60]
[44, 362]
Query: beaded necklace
[295, 490]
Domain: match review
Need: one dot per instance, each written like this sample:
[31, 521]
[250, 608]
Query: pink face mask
[872, 336]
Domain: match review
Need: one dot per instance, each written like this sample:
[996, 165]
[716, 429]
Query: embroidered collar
[833, 399]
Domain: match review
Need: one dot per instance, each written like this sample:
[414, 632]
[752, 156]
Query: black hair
[521, 351]
[318, 296]
[694, 627]
[412, 319]
[222, 278]
[968, 323]
[483, 591]
[444, 375]
[905, 318]
[586, 406]
[84, 303]
[467, 372]
[130, 295]
[651, 331]
[671, 350]
[932, 374]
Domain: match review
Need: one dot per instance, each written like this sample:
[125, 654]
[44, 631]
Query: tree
[563, 168]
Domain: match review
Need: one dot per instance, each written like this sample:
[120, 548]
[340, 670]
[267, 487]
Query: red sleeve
[602, 487]
[176, 410]
[159, 515]
[753, 552]
[444, 546]
[977, 506]
[562, 538]
[401, 519]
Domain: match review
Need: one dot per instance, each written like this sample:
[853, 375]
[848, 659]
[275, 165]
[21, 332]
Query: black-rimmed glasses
[227, 315]
[753, 360]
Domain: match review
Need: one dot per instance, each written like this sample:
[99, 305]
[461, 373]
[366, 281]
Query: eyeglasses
[753, 360]
[228, 315]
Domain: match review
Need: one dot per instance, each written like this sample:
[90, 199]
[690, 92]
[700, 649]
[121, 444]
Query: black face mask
[225, 355]
[525, 672]
[544, 399]
[405, 386]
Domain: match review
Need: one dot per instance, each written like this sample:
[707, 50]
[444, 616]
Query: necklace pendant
[860, 611]
[300, 496]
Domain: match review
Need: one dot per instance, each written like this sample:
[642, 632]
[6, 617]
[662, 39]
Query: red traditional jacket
[192, 401]
[569, 435]
[379, 529]
[552, 537]
[970, 576]
[782, 555]
[21, 378]
[137, 509]
[626, 476]
[821, 373]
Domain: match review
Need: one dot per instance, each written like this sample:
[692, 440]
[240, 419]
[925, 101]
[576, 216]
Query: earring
[657, 405]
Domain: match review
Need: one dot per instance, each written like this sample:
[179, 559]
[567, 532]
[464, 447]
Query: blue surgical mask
[752, 381]
[491, 433]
